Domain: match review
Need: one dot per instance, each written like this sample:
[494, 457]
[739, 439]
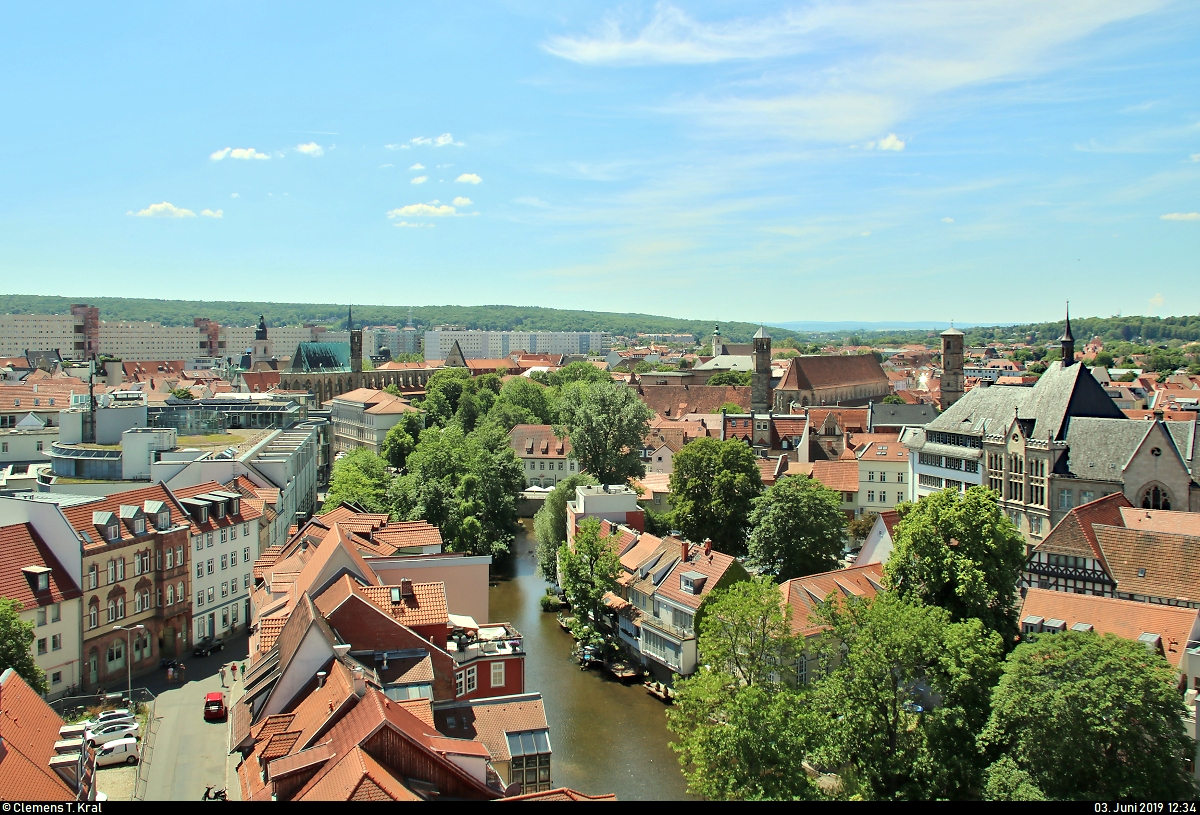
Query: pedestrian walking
[222, 672]
[170, 675]
[233, 671]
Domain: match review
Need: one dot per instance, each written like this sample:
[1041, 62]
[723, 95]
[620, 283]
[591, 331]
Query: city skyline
[561, 158]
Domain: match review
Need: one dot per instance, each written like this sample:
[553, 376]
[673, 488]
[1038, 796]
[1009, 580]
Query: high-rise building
[499, 344]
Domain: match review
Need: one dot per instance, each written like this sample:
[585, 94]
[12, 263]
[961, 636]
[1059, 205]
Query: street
[184, 753]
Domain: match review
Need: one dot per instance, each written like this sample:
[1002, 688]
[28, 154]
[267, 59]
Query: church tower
[716, 341]
[261, 350]
[760, 380]
[1068, 342]
[952, 366]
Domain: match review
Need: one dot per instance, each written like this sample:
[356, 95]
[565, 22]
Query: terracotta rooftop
[538, 441]
[82, 518]
[1075, 534]
[813, 372]
[1152, 564]
[1161, 520]
[713, 566]
[488, 720]
[1126, 618]
[837, 475]
[561, 794]
[29, 729]
[674, 401]
[22, 546]
[801, 595]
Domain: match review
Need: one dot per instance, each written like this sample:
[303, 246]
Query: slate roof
[893, 415]
[321, 357]
[22, 546]
[1100, 448]
[29, 728]
[1125, 618]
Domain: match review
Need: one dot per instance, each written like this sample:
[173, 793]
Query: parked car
[110, 717]
[111, 732]
[118, 751]
[214, 707]
[207, 646]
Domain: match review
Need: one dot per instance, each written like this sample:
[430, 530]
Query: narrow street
[184, 753]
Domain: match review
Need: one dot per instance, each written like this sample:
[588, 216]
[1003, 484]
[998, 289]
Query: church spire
[350, 318]
[1068, 341]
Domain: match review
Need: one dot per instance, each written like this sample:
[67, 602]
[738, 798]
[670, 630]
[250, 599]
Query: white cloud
[244, 153]
[163, 210]
[863, 67]
[412, 226]
[460, 201]
[208, 213]
[396, 146]
[417, 166]
[1181, 216]
[421, 179]
[436, 141]
[866, 234]
[235, 195]
[1157, 300]
[1194, 157]
[888, 142]
[469, 178]
[947, 220]
[432, 210]
[311, 149]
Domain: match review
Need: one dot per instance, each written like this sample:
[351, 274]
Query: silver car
[110, 717]
[110, 732]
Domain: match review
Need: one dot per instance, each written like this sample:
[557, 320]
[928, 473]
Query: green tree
[960, 553]
[606, 423]
[529, 395]
[643, 367]
[730, 407]
[738, 742]
[1103, 359]
[741, 378]
[465, 485]
[743, 632]
[16, 645]
[402, 438]
[713, 486]
[590, 568]
[443, 392]
[1089, 717]
[550, 523]
[796, 528]
[893, 399]
[861, 525]
[360, 477]
[578, 372]
[903, 694]
[183, 394]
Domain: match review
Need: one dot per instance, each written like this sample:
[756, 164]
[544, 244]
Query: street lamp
[129, 658]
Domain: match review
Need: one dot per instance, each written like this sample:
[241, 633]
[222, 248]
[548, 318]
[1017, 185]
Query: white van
[118, 751]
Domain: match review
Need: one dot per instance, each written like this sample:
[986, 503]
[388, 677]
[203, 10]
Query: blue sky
[877, 160]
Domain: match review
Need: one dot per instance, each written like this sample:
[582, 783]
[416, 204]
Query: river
[606, 736]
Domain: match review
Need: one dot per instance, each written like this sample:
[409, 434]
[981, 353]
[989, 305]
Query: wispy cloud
[408, 225]
[1181, 216]
[1157, 300]
[396, 146]
[243, 153]
[888, 142]
[462, 201]
[421, 179]
[163, 210]
[863, 67]
[437, 141]
[1194, 157]
[235, 195]
[468, 178]
[310, 149]
[431, 210]
[417, 166]
[212, 213]
[947, 220]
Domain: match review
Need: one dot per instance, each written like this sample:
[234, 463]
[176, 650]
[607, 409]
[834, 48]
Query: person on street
[233, 671]
[222, 672]
[170, 675]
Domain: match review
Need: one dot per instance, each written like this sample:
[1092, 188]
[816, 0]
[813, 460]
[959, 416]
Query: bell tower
[1068, 342]
[760, 380]
[952, 366]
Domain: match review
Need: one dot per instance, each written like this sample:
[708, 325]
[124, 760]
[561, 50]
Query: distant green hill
[495, 318]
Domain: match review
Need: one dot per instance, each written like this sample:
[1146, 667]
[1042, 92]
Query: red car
[214, 707]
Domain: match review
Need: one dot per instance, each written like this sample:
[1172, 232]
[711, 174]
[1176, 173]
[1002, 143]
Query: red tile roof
[22, 546]
[80, 516]
[538, 441]
[673, 401]
[1125, 618]
[813, 372]
[801, 595]
[29, 729]
[563, 794]
[713, 566]
[837, 475]
[488, 720]
[1161, 520]
[1075, 535]
[246, 512]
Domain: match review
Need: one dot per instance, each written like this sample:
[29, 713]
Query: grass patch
[223, 439]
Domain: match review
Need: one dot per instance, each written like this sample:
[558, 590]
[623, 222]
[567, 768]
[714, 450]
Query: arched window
[170, 594]
[179, 591]
[112, 571]
[93, 615]
[112, 610]
[1156, 498]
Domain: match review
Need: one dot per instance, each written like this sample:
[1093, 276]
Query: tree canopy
[16, 645]
[550, 523]
[589, 568]
[743, 631]
[607, 423]
[713, 485]
[359, 477]
[741, 378]
[796, 528]
[401, 439]
[1079, 716]
[962, 554]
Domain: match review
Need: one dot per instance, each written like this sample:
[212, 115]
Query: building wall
[548, 471]
[882, 484]
[499, 344]
[65, 632]
[26, 446]
[222, 577]
[42, 332]
[514, 677]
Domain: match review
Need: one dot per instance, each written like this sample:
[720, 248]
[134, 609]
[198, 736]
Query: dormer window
[139, 526]
[163, 520]
[691, 582]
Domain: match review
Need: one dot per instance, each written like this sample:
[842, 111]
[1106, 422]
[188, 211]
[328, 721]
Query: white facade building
[40, 332]
[499, 344]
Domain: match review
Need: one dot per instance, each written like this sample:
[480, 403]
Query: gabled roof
[815, 372]
[837, 475]
[1075, 533]
[1161, 520]
[712, 566]
[321, 357]
[1152, 564]
[489, 720]
[29, 729]
[538, 441]
[81, 516]
[1127, 619]
[675, 401]
[561, 794]
[801, 595]
[20, 547]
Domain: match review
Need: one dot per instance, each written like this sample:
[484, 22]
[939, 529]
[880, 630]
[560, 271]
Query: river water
[606, 736]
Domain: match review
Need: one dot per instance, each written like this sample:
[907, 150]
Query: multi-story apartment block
[363, 417]
[135, 575]
[224, 544]
[499, 344]
[48, 597]
[883, 479]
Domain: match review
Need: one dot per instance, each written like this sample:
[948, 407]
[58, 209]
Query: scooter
[209, 795]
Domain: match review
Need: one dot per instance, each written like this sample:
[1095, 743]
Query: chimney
[406, 588]
[360, 681]
[683, 550]
[707, 547]
[321, 675]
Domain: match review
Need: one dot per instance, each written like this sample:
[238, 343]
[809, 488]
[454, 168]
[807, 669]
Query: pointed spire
[1067, 330]
[350, 318]
[1068, 341]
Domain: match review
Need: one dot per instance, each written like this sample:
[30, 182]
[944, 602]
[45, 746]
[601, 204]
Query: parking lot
[183, 753]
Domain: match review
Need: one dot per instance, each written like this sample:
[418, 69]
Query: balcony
[671, 630]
